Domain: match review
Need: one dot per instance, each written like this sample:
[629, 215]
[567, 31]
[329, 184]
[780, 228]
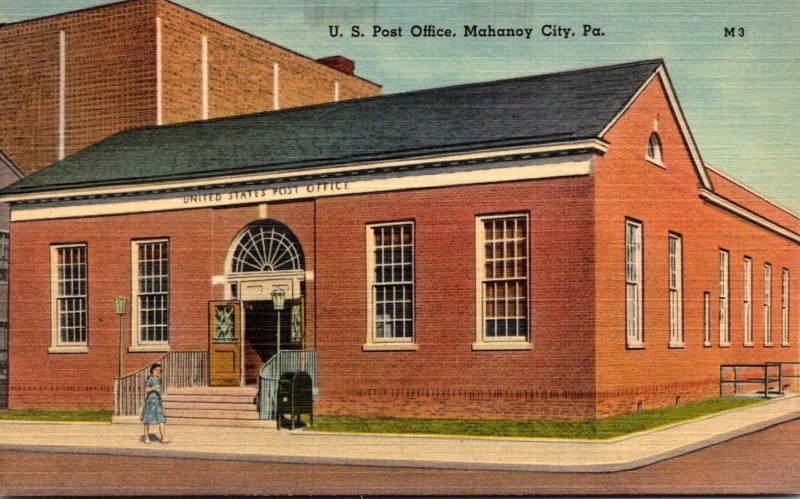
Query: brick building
[72, 79]
[8, 175]
[542, 247]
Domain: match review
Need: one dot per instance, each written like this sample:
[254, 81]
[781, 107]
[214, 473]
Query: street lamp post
[119, 308]
[278, 300]
[278, 297]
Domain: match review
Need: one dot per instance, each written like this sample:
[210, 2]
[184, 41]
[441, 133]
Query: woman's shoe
[165, 440]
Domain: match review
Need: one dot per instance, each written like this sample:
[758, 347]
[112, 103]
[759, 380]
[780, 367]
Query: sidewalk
[269, 445]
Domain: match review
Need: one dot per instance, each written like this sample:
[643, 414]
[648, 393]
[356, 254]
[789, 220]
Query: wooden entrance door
[224, 343]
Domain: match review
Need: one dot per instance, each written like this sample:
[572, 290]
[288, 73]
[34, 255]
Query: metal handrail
[765, 378]
[179, 369]
[290, 361]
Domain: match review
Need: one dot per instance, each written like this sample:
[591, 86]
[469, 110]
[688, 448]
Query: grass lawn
[83, 416]
[601, 429]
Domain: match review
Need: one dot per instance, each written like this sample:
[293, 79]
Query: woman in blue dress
[153, 412]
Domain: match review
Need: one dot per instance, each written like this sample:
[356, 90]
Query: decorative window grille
[266, 247]
[504, 277]
[747, 305]
[675, 290]
[392, 282]
[70, 294]
[767, 304]
[152, 267]
[785, 307]
[633, 284]
[724, 304]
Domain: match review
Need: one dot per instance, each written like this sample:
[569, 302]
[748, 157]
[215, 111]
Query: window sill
[70, 349]
[149, 348]
[505, 345]
[749, 345]
[389, 347]
[785, 344]
[724, 345]
[707, 344]
[767, 345]
[634, 346]
[655, 162]
[677, 345]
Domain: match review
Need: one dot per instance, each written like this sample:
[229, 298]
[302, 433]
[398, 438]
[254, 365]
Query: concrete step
[215, 398]
[214, 390]
[170, 404]
[172, 414]
[241, 423]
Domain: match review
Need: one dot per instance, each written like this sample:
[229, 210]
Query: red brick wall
[110, 80]
[240, 71]
[444, 377]
[668, 200]
[39, 379]
[111, 76]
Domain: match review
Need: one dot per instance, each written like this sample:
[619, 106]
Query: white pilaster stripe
[276, 87]
[62, 92]
[159, 89]
[204, 77]
[336, 91]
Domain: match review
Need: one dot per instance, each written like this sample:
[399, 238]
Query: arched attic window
[267, 247]
[654, 150]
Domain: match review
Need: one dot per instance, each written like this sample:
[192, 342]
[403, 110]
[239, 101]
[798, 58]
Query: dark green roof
[522, 111]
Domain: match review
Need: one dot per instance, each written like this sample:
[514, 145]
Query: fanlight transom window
[267, 247]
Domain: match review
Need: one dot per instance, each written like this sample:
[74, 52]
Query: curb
[405, 463]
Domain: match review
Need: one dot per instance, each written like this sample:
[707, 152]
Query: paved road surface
[766, 462]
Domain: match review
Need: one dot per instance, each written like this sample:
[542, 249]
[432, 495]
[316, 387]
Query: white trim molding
[560, 148]
[672, 99]
[749, 215]
[497, 172]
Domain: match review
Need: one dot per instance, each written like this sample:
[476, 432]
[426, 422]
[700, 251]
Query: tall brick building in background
[72, 79]
[543, 247]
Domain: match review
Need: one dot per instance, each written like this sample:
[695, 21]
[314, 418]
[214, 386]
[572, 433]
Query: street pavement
[446, 452]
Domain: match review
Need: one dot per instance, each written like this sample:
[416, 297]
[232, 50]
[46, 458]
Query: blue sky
[739, 94]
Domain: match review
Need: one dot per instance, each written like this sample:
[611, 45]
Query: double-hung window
[767, 304]
[747, 302]
[724, 303]
[633, 284]
[785, 307]
[150, 293]
[675, 291]
[706, 319]
[390, 286]
[3, 256]
[69, 282]
[501, 245]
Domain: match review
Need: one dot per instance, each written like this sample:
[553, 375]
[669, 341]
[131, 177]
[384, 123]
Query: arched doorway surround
[263, 256]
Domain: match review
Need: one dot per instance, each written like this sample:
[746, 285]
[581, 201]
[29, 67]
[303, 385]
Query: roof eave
[592, 144]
